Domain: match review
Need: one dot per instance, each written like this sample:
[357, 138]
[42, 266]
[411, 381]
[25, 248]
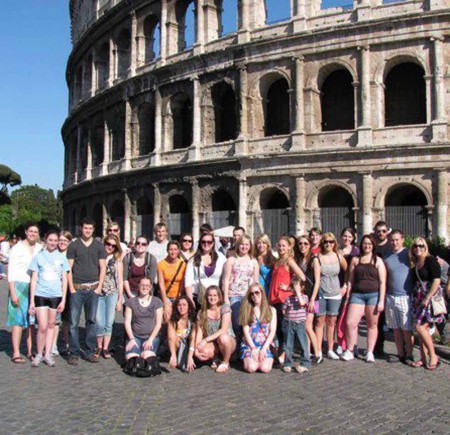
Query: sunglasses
[140, 244]
[110, 245]
[113, 230]
[255, 293]
[303, 243]
[187, 241]
[207, 242]
[382, 231]
[328, 242]
[419, 246]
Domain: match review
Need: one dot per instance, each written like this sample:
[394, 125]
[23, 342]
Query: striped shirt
[293, 311]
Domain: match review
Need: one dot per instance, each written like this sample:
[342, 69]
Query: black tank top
[366, 279]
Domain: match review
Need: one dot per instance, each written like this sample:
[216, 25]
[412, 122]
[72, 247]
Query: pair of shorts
[365, 298]
[138, 348]
[329, 307]
[399, 312]
[42, 302]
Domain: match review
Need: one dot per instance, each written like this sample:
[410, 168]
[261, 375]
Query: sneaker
[347, 355]
[73, 360]
[370, 357]
[301, 369]
[49, 360]
[339, 351]
[92, 358]
[287, 369]
[37, 360]
[54, 351]
[332, 355]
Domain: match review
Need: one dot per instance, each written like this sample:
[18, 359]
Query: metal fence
[412, 220]
[334, 219]
[220, 219]
[272, 222]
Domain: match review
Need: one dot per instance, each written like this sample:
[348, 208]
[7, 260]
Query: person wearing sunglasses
[187, 247]
[137, 265]
[426, 273]
[203, 270]
[259, 325]
[367, 286]
[110, 299]
[330, 293]
[113, 228]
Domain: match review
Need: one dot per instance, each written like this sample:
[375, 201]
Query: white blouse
[191, 279]
[19, 262]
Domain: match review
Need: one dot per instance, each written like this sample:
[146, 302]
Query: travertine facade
[333, 117]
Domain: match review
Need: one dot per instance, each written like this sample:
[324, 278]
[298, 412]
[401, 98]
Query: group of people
[207, 304]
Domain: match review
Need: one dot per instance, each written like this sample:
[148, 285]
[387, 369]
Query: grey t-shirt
[85, 267]
[400, 281]
[143, 319]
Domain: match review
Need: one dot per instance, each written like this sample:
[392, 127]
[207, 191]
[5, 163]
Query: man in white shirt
[158, 246]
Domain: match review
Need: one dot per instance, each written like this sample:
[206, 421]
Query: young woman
[65, 237]
[259, 324]
[331, 292]
[171, 272]
[427, 276]
[310, 266]
[315, 237]
[348, 251]
[187, 247]
[214, 334]
[203, 270]
[266, 260]
[367, 286]
[48, 291]
[181, 334]
[239, 272]
[283, 271]
[143, 320]
[20, 258]
[110, 299]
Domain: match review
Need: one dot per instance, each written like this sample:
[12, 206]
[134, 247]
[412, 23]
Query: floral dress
[259, 333]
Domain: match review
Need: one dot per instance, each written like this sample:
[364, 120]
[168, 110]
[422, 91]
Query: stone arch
[116, 127]
[228, 17]
[403, 56]
[87, 78]
[179, 218]
[312, 199]
[277, 11]
[102, 65]
[180, 25]
[97, 129]
[380, 198]
[151, 38]
[320, 70]
[123, 52]
[223, 208]
[181, 120]
[146, 128]
[226, 113]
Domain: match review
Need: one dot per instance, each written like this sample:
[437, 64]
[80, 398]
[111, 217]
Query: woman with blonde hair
[259, 323]
[214, 334]
[330, 292]
[262, 252]
[426, 274]
[280, 288]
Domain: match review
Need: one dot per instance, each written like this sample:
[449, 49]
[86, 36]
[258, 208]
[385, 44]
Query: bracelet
[192, 349]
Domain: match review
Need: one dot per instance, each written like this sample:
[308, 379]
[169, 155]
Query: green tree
[7, 222]
[10, 178]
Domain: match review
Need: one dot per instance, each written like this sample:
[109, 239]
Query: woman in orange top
[171, 272]
[280, 287]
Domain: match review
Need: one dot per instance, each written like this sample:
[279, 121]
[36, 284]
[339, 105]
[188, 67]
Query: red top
[280, 275]
[316, 250]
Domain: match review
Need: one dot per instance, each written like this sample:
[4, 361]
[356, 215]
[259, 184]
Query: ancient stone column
[442, 205]
[439, 123]
[77, 175]
[195, 151]
[199, 44]
[365, 127]
[300, 198]
[133, 48]
[298, 135]
[367, 202]
[158, 126]
[112, 63]
[195, 209]
[298, 15]
[89, 155]
[156, 204]
[93, 73]
[127, 215]
[163, 29]
[243, 21]
[243, 188]
[107, 149]
[128, 135]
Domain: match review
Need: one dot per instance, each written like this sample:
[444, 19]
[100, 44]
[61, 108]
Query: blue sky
[35, 45]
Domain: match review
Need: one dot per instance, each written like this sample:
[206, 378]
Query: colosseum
[332, 117]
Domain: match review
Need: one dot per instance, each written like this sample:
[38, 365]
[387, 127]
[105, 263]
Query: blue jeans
[89, 300]
[292, 329]
[139, 346]
[106, 313]
[235, 303]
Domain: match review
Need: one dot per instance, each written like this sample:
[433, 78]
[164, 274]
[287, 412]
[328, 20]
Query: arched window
[277, 109]
[228, 22]
[97, 141]
[84, 148]
[225, 112]
[87, 79]
[123, 53]
[179, 216]
[102, 64]
[277, 11]
[336, 209]
[116, 125]
[337, 101]
[181, 109]
[223, 208]
[405, 209]
[146, 122]
[151, 38]
[405, 100]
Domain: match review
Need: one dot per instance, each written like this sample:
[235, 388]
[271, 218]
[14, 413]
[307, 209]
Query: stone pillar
[364, 103]
[128, 134]
[243, 188]
[300, 199]
[156, 204]
[363, 10]
[134, 40]
[439, 123]
[367, 199]
[441, 204]
[243, 21]
[127, 215]
[241, 141]
[298, 135]
[93, 73]
[156, 160]
[106, 149]
[195, 209]
[195, 148]
[163, 28]
[105, 217]
[77, 175]
[112, 63]
[298, 15]
[428, 97]
[89, 155]
[199, 45]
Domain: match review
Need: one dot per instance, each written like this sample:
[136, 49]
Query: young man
[87, 260]
[158, 246]
[113, 228]
[238, 232]
[398, 301]
[383, 249]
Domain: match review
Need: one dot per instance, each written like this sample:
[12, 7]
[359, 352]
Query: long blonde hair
[291, 248]
[246, 314]
[118, 251]
[269, 259]
[328, 236]
[412, 256]
[203, 314]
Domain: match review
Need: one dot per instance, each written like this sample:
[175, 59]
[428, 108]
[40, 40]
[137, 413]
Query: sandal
[31, 357]
[417, 364]
[18, 360]
[106, 354]
[223, 367]
[434, 366]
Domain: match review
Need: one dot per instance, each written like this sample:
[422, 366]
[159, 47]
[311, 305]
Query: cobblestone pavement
[334, 397]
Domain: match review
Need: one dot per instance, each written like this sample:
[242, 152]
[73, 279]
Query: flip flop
[18, 360]
[106, 354]
[434, 366]
[31, 357]
[223, 368]
[416, 364]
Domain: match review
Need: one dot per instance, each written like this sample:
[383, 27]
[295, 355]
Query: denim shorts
[364, 298]
[139, 346]
[329, 307]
